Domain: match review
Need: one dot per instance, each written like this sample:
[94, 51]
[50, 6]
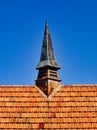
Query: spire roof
[47, 54]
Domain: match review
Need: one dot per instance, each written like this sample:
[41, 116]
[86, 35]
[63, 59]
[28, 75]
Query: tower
[48, 78]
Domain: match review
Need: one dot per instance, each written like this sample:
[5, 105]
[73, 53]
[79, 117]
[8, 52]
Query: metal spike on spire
[47, 54]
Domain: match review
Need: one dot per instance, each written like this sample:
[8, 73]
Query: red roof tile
[69, 107]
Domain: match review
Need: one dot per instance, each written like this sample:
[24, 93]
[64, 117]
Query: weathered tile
[71, 107]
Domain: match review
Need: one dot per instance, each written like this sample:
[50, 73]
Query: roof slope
[27, 108]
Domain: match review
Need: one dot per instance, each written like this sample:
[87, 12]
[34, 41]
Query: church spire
[47, 53]
[48, 78]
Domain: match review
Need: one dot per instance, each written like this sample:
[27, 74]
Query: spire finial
[46, 28]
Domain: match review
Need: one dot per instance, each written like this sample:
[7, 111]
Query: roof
[47, 54]
[69, 107]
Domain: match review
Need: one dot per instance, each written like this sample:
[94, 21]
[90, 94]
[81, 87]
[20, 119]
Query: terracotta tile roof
[71, 107]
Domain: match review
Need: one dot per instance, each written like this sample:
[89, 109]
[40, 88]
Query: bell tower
[48, 78]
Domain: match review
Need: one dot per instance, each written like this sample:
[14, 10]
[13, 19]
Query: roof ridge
[16, 85]
[78, 85]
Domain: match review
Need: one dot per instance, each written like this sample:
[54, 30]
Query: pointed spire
[48, 78]
[47, 54]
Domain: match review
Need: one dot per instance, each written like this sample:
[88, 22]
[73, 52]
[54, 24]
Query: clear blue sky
[73, 28]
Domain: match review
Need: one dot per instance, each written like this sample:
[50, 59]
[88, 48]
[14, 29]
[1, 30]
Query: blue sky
[73, 28]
